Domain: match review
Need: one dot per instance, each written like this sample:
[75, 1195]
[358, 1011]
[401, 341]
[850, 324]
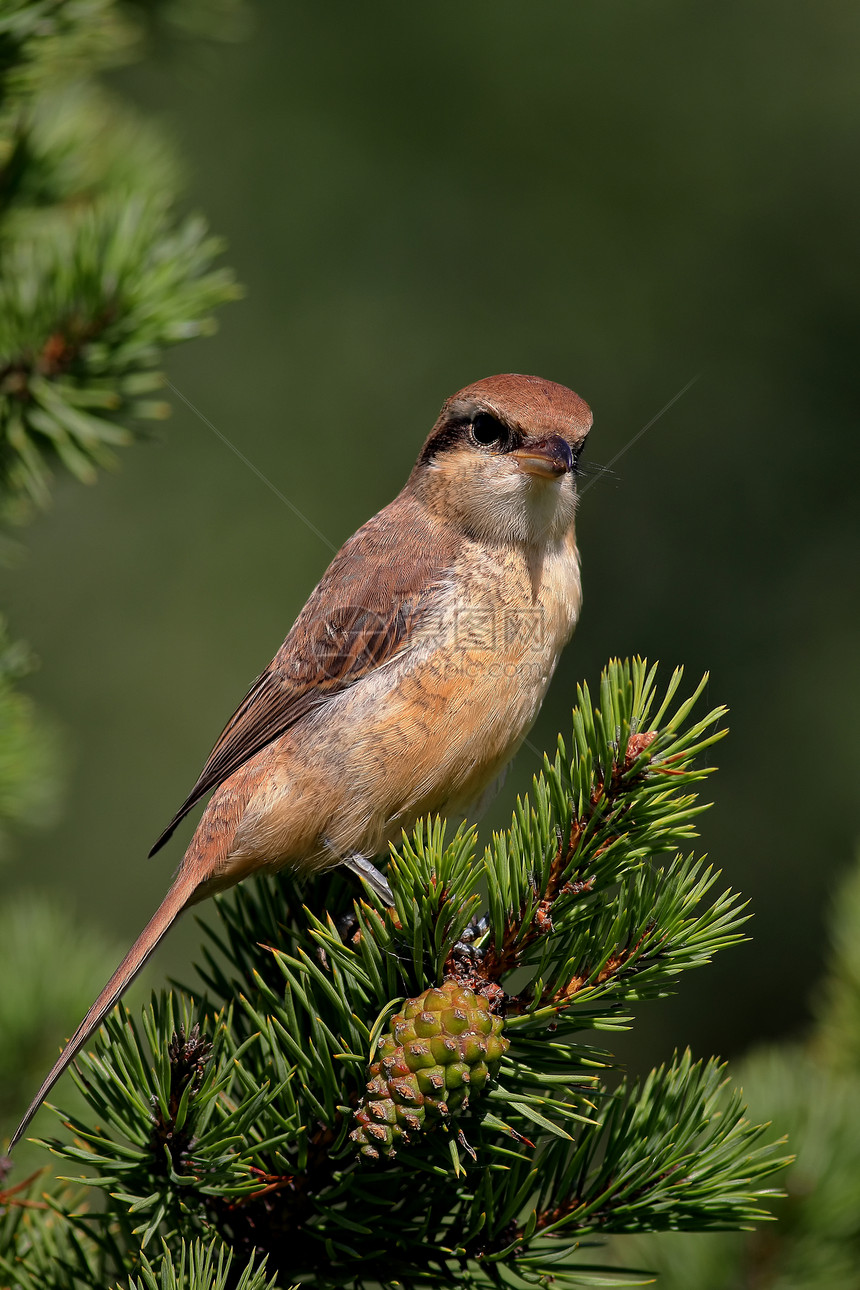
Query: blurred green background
[618, 196]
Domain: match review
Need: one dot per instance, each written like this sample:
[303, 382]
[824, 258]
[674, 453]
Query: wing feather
[363, 612]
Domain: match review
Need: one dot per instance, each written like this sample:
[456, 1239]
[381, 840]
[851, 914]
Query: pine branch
[673, 1152]
[41, 1248]
[84, 318]
[631, 947]
[195, 1267]
[505, 1181]
[175, 1115]
[613, 804]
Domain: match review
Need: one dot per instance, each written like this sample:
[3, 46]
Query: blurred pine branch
[29, 748]
[99, 274]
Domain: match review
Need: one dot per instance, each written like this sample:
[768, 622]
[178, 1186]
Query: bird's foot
[365, 869]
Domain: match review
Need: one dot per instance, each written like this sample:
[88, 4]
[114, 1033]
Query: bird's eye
[487, 430]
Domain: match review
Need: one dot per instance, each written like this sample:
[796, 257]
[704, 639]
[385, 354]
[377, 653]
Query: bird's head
[501, 461]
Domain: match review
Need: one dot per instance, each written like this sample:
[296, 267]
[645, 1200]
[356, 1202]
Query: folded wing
[362, 614]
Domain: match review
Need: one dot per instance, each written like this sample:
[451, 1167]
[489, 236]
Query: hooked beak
[547, 458]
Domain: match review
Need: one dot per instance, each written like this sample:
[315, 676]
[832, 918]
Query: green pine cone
[443, 1045]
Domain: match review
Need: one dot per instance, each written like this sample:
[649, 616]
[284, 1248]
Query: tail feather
[179, 895]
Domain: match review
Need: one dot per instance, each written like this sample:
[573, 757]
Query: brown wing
[364, 611]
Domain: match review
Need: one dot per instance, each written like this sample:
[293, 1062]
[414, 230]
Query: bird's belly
[427, 733]
[474, 722]
[432, 745]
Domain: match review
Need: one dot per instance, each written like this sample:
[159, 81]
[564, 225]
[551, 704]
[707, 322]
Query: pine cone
[444, 1044]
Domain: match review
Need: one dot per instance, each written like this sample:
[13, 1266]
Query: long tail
[179, 895]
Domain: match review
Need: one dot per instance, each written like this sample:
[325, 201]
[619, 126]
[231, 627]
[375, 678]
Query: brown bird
[411, 676]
